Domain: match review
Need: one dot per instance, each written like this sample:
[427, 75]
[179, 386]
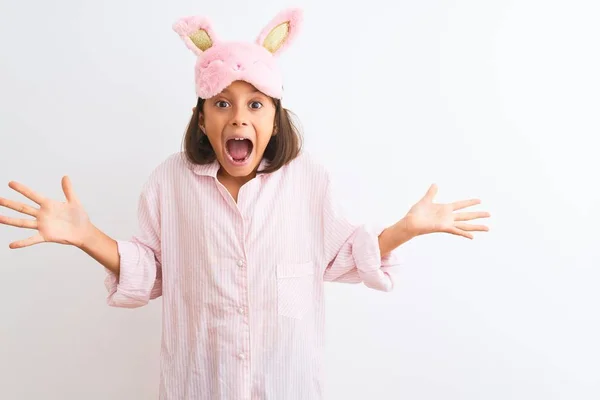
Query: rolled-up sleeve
[352, 251]
[140, 274]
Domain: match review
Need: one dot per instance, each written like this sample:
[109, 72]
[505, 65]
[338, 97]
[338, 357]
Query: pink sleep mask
[220, 63]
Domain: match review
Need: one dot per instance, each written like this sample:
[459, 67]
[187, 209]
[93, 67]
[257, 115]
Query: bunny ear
[196, 32]
[281, 31]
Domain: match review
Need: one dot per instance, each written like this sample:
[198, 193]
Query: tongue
[239, 149]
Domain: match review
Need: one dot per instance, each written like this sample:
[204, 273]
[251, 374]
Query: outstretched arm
[133, 266]
[360, 254]
[60, 222]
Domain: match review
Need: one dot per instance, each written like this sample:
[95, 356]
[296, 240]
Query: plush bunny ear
[196, 32]
[278, 34]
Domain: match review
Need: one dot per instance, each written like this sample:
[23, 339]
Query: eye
[222, 104]
[256, 105]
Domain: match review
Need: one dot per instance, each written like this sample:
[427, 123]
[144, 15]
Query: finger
[467, 216]
[20, 207]
[27, 242]
[431, 192]
[25, 191]
[21, 223]
[458, 205]
[460, 232]
[469, 227]
[68, 190]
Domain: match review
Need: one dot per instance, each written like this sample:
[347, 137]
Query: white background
[491, 99]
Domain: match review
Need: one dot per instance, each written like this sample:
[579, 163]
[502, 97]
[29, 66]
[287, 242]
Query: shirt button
[242, 356]
[241, 310]
[241, 263]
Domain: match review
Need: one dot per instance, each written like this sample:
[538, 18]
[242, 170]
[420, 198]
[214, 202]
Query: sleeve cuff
[373, 269]
[124, 287]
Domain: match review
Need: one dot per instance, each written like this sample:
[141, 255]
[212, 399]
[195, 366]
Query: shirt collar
[210, 169]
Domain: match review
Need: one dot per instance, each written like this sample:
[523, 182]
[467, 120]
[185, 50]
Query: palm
[429, 217]
[57, 222]
[61, 222]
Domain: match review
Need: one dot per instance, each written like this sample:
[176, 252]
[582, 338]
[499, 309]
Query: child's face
[239, 123]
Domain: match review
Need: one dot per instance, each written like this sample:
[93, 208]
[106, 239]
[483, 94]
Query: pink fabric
[225, 62]
[242, 284]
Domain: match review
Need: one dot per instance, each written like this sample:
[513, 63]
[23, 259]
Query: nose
[239, 118]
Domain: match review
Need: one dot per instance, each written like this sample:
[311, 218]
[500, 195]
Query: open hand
[57, 222]
[429, 217]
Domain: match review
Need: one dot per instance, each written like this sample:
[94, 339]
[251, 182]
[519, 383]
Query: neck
[223, 176]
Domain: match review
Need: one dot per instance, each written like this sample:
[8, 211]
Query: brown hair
[281, 149]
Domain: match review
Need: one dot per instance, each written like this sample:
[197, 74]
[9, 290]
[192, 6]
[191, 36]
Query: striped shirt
[242, 283]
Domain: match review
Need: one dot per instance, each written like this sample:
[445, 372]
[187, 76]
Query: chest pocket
[295, 286]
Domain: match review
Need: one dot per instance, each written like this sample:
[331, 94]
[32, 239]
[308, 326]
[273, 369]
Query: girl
[238, 233]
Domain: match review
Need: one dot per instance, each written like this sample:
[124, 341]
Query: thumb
[68, 190]
[431, 192]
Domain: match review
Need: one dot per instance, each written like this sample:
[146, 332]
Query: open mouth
[239, 149]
